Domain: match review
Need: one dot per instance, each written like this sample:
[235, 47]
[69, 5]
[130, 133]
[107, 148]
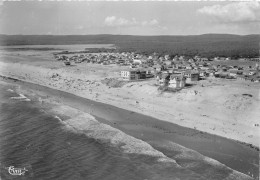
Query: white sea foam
[10, 90]
[21, 97]
[57, 117]
[193, 158]
[88, 125]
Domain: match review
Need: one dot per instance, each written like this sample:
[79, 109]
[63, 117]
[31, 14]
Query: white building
[128, 74]
[177, 81]
[137, 61]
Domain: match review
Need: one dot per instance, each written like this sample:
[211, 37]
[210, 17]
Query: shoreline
[231, 114]
[129, 127]
[93, 113]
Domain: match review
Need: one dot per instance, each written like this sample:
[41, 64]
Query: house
[171, 71]
[177, 81]
[140, 74]
[204, 68]
[163, 79]
[158, 67]
[168, 63]
[176, 58]
[137, 61]
[255, 80]
[246, 72]
[191, 75]
[161, 59]
[228, 59]
[251, 73]
[211, 73]
[204, 59]
[202, 73]
[223, 74]
[128, 74]
[191, 60]
[233, 73]
[149, 73]
[167, 57]
[188, 67]
[241, 77]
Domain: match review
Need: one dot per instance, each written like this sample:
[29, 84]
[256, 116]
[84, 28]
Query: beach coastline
[83, 123]
[232, 115]
[156, 135]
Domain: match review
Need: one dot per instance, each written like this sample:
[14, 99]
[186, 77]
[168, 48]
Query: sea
[36, 143]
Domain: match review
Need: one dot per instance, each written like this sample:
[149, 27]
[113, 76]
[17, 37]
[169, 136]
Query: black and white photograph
[129, 90]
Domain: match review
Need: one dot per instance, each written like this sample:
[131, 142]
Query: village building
[149, 72]
[167, 57]
[163, 79]
[191, 76]
[188, 67]
[204, 68]
[210, 73]
[128, 74]
[158, 67]
[133, 74]
[137, 61]
[168, 63]
[223, 74]
[248, 72]
[191, 60]
[251, 73]
[177, 81]
[140, 74]
[233, 73]
[241, 77]
[202, 74]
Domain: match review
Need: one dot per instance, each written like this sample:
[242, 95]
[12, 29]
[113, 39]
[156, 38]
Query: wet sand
[235, 155]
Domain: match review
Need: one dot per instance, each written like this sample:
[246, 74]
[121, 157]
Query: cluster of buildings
[248, 73]
[172, 78]
[172, 72]
[124, 59]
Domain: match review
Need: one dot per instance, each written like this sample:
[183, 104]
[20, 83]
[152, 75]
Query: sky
[129, 17]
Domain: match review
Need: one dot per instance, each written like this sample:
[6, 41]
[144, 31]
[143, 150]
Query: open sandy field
[216, 106]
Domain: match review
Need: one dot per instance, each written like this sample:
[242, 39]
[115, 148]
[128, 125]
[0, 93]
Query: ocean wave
[10, 90]
[86, 124]
[57, 117]
[195, 161]
[21, 97]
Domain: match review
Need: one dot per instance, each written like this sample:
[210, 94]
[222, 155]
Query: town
[170, 72]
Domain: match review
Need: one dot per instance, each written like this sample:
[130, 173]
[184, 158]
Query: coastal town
[209, 97]
[171, 73]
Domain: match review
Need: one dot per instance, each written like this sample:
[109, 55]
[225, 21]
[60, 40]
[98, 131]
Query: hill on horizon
[207, 45]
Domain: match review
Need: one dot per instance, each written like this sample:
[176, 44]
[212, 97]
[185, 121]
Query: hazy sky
[134, 18]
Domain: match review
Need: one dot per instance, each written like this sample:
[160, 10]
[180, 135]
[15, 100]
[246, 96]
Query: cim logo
[16, 171]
